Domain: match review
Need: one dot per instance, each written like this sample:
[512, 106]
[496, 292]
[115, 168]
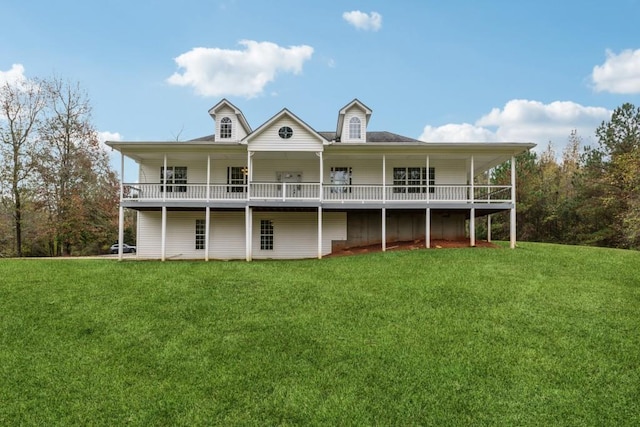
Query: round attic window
[285, 132]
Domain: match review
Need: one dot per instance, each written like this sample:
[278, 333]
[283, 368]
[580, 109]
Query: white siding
[264, 170]
[227, 235]
[295, 234]
[448, 172]
[302, 139]
[237, 132]
[196, 170]
[368, 171]
[354, 112]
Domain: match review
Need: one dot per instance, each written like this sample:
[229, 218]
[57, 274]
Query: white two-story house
[286, 190]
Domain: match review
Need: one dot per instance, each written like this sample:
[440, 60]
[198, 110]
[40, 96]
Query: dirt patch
[412, 245]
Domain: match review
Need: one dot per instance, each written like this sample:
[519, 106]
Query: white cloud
[464, 132]
[522, 120]
[619, 73]
[220, 72]
[363, 21]
[14, 76]
[104, 136]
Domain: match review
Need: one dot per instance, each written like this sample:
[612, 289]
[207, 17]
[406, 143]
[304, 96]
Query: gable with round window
[285, 132]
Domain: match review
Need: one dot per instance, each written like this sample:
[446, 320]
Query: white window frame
[226, 128]
[266, 235]
[200, 239]
[355, 128]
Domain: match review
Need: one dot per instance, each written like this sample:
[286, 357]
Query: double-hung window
[413, 180]
[174, 179]
[266, 235]
[340, 179]
[226, 128]
[236, 179]
[200, 233]
[355, 128]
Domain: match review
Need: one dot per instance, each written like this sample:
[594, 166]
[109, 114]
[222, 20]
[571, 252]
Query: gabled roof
[343, 111]
[225, 103]
[284, 112]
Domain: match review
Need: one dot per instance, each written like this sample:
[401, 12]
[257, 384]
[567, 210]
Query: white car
[125, 249]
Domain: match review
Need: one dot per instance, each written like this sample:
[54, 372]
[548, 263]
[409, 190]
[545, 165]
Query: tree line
[583, 196]
[59, 195]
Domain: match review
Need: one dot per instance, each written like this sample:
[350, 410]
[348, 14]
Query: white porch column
[120, 231]
[249, 174]
[384, 178]
[427, 228]
[121, 176]
[319, 232]
[321, 190]
[207, 228]
[512, 232]
[428, 182]
[121, 210]
[248, 233]
[384, 229]
[208, 177]
[471, 189]
[163, 240]
[488, 200]
[164, 181]
[472, 227]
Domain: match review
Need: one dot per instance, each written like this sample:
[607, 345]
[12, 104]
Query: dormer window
[225, 128]
[355, 128]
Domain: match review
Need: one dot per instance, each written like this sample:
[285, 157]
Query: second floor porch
[283, 192]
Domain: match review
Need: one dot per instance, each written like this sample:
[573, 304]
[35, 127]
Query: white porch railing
[331, 193]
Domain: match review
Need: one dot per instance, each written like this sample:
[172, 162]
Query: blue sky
[439, 71]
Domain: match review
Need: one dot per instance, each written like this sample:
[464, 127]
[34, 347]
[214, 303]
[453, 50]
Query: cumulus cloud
[363, 21]
[13, 76]
[464, 132]
[619, 73]
[220, 72]
[104, 136]
[522, 120]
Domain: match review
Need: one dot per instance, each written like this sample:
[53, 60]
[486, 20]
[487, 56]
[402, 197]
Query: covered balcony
[324, 193]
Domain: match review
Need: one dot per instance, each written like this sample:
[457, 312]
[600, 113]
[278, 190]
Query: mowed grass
[541, 335]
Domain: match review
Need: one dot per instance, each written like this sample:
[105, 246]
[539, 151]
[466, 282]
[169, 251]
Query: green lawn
[541, 335]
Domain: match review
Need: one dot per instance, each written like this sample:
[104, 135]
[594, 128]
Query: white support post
[512, 232]
[319, 232]
[120, 231]
[164, 181]
[472, 227]
[208, 177]
[489, 201]
[163, 243]
[384, 229]
[427, 228]
[249, 174]
[207, 228]
[121, 176]
[471, 190]
[121, 210]
[384, 178]
[247, 228]
[320, 190]
[428, 182]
